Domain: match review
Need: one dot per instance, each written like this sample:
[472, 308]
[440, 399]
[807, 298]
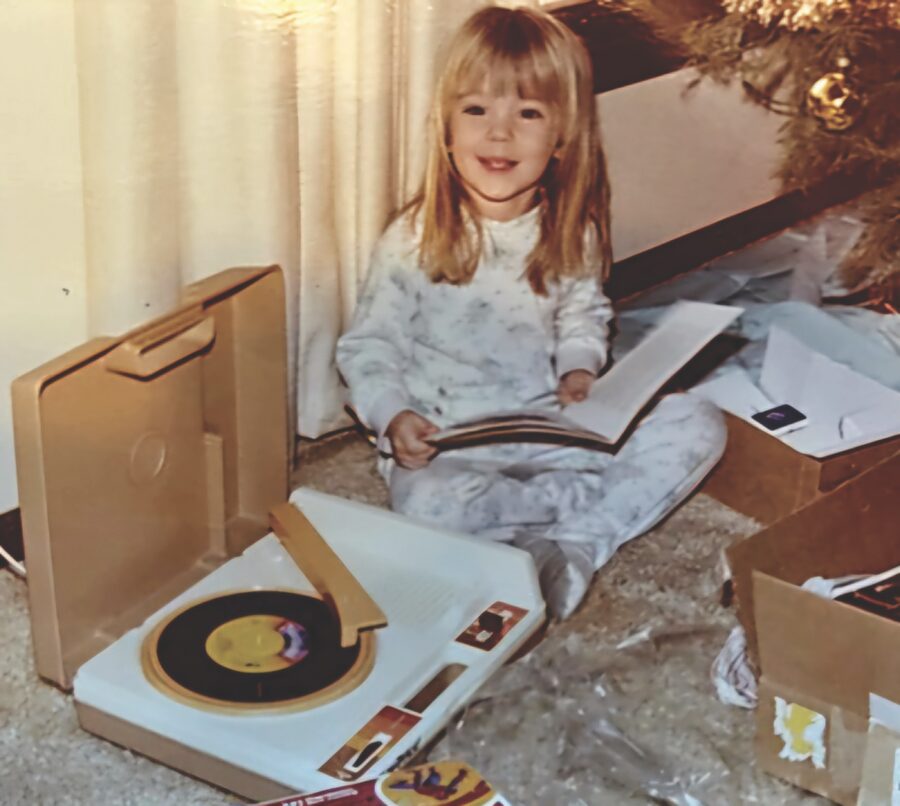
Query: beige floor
[536, 732]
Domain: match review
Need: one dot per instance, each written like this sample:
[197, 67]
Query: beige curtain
[193, 135]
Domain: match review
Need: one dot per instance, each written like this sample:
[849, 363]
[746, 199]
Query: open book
[615, 398]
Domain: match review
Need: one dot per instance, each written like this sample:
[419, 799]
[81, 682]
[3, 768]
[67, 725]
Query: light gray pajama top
[451, 352]
[455, 352]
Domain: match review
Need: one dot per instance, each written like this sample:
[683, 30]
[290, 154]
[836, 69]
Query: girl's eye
[473, 109]
[530, 113]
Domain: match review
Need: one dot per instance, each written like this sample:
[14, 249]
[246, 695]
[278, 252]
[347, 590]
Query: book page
[616, 398]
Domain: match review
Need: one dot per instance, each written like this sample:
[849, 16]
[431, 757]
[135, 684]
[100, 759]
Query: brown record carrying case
[147, 460]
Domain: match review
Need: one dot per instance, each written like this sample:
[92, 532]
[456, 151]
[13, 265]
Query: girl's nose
[499, 128]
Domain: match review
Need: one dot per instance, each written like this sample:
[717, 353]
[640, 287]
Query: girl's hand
[574, 386]
[407, 433]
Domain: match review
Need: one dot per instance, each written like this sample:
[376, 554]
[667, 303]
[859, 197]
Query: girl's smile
[496, 164]
[501, 146]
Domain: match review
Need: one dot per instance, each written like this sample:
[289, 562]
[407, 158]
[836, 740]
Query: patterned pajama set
[454, 352]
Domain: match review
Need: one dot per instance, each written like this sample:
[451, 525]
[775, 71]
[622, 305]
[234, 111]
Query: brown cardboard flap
[845, 737]
[760, 476]
[851, 530]
[829, 650]
[145, 460]
[843, 466]
[880, 765]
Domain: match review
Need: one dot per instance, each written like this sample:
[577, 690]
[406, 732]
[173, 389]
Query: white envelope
[845, 409]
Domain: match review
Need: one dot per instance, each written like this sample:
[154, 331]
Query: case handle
[154, 350]
[356, 610]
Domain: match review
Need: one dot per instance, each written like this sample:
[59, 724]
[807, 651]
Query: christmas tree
[832, 68]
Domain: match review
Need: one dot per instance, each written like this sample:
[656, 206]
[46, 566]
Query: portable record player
[330, 648]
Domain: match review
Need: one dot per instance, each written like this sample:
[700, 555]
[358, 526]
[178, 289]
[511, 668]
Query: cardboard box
[762, 477]
[881, 768]
[821, 660]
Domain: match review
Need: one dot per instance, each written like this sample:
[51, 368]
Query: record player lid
[144, 461]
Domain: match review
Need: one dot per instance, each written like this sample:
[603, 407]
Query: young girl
[485, 295]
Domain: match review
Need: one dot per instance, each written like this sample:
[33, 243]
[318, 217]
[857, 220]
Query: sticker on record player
[492, 625]
[370, 744]
[449, 783]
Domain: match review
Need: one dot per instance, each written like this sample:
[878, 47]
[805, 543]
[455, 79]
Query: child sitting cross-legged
[485, 294]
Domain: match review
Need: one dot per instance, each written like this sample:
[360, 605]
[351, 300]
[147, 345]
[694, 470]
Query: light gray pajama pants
[588, 502]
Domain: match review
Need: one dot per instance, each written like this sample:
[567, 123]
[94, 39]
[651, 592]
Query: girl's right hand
[407, 433]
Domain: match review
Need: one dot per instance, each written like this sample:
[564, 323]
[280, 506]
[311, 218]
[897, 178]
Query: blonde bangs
[498, 68]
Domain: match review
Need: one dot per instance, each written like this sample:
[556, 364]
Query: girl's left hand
[574, 386]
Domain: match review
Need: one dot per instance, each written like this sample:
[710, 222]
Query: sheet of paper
[735, 392]
[845, 409]
[885, 712]
[785, 368]
[617, 397]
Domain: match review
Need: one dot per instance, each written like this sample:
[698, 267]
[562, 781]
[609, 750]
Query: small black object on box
[780, 419]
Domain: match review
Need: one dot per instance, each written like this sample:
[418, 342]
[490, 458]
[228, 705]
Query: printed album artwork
[442, 783]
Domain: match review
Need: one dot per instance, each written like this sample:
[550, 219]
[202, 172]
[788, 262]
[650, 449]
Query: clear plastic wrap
[591, 725]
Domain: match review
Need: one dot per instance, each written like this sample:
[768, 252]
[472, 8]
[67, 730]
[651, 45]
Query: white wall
[43, 310]
[677, 162]
[681, 159]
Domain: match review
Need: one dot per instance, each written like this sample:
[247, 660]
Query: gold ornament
[834, 102]
[805, 15]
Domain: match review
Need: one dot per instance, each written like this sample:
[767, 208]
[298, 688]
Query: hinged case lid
[147, 460]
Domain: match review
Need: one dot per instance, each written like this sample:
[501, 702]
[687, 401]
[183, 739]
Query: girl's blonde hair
[529, 53]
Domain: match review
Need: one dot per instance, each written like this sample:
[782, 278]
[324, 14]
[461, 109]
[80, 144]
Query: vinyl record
[253, 649]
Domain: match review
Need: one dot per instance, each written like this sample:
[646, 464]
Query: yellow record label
[258, 644]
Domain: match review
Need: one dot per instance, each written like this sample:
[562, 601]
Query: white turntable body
[151, 467]
[431, 584]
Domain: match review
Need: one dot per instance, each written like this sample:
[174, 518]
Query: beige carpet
[537, 732]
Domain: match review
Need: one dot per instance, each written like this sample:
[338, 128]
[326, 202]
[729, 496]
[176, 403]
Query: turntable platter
[253, 650]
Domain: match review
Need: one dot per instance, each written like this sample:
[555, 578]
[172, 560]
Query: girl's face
[501, 146]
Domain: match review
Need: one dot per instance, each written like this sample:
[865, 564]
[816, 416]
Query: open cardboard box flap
[817, 653]
[831, 650]
[881, 767]
[853, 529]
[762, 477]
[108, 537]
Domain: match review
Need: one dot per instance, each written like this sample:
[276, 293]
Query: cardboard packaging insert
[825, 656]
[763, 478]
